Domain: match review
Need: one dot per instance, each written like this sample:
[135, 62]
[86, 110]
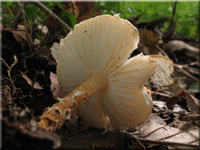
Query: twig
[162, 51]
[128, 136]
[140, 143]
[161, 94]
[17, 17]
[28, 37]
[167, 143]
[172, 18]
[189, 118]
[9, 70]
[172, 24]
[52, 14]
[185, 72]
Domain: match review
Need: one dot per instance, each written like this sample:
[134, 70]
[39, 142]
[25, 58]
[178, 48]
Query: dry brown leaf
[192, 103]
[175, 88]
[148, 40]
[172, 101]
[148, 37]
[72, 8]
[168, 133]
[21, 34]
[82, 10]
[180, 93]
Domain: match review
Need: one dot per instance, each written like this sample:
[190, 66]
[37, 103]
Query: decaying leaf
[159, 105]
[82, 10]
[176, 88]
[148, 40]
[163, 70]
[160, 132]
[178, 92]
[19, 35]
[148, 37]
[192, 103]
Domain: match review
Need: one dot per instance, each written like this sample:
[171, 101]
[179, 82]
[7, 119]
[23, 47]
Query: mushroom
[107, 87]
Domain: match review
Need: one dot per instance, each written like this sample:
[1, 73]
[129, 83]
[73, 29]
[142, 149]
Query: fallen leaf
[172, 101]
[82, 10]
[177, 98]
[160, 132]
[160, 104]
[148, 37]
[19, 34]
[55, 86]
[148, 40]
[192, 103]
[177, 109]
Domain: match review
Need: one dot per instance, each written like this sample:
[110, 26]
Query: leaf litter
[31, 86]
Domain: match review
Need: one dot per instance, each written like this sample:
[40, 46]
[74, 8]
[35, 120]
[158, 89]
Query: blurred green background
[186, 16]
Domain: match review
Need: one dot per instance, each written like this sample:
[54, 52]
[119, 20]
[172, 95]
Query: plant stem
[52, 14]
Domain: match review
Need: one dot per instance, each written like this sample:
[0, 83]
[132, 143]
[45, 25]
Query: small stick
[9, 70]
[28, 37]
[161, 94]
[186, 73]
[52, 14]
[128, 136]
[167, 143]
[162, 51]
[17, 17]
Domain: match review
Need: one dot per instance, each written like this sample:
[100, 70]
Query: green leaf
[9, 4]
[195, 87]
[69, 19]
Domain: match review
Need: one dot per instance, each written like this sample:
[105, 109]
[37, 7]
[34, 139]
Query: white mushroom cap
[104, 43]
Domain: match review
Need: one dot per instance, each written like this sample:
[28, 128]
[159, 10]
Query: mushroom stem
[55, 116]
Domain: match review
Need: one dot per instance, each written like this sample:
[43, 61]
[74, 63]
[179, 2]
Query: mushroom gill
[106, 87]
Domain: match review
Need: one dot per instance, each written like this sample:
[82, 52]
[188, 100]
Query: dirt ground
[26, 92]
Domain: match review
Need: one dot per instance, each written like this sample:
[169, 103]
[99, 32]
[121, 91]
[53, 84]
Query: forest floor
[26, 91]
